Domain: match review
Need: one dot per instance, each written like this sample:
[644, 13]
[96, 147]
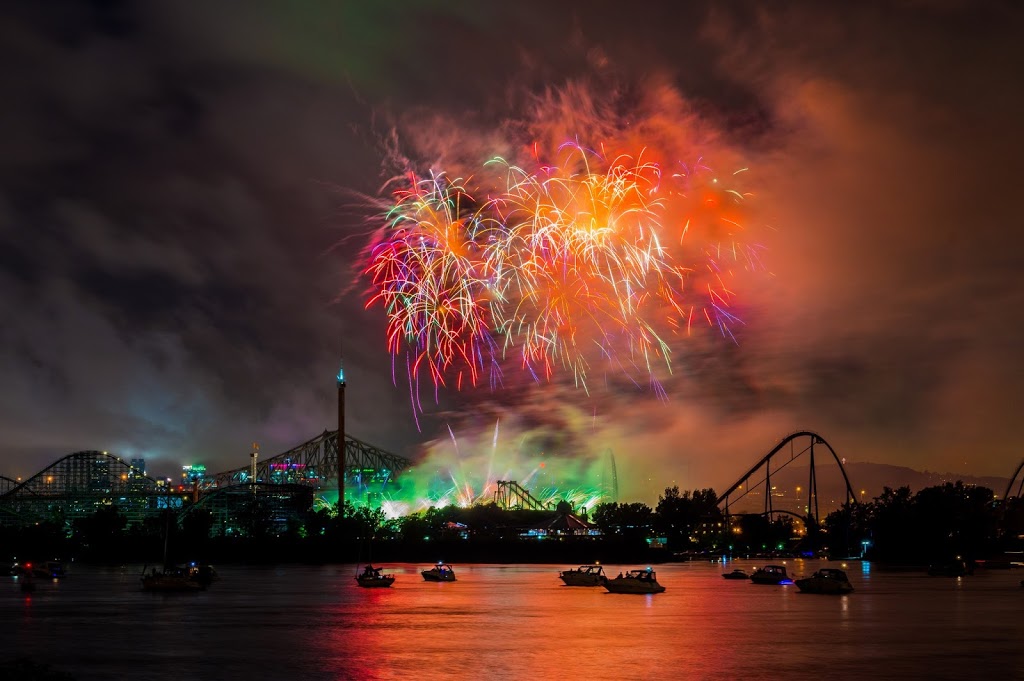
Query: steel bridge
[791, 448]
[315, 463]
[273, 506]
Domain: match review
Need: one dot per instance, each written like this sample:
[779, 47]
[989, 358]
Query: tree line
[936, 523]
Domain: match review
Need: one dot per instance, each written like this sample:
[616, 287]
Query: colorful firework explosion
[589, 256]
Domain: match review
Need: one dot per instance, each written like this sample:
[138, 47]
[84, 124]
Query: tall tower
[341, 438]
[253, 455]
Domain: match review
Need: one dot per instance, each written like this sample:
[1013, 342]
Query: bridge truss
[236, 509]
[314, 463]
[783, 454]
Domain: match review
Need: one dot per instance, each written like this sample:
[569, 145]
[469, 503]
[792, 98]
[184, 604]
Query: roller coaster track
[510, 495]
[86, 473]
[726, 498]
[6, 484]
[80, 482]
[1013, 479]
[77, 484]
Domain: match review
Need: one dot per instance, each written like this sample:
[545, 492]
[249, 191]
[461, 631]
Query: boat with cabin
[825, 581]
[441, 572]
[372, 577]
[735, 574]
[584, 575]
[203, 573]
[771, 574]
[171, 579]
[635, 582]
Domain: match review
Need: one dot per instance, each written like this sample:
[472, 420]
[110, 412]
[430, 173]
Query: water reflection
[517, 622]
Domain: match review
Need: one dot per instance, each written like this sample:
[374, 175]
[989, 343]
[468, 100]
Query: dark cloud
[166, 243]
[179, 227]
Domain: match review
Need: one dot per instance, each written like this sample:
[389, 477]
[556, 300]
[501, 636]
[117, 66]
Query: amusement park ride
[296, 480]
[76, 485]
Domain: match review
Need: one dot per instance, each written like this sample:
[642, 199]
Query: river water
[518, 622]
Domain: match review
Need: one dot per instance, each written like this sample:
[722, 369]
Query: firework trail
[567, 260]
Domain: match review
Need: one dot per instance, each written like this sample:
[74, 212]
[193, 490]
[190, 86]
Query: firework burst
[559, 263]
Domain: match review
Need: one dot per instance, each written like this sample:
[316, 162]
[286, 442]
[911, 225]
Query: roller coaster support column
[812, 488]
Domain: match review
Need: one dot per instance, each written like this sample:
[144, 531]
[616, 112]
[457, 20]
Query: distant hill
[867, 479]
[873, 477]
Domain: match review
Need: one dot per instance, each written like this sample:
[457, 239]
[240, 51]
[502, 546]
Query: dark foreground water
[518, 622]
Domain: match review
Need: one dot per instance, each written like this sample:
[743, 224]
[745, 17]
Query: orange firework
[582, 259]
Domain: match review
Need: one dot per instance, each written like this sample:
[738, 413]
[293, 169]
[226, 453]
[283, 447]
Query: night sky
[186, 195]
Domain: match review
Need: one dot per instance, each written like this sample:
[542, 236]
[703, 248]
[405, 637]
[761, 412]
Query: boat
[202, 573]
[825, 581]
[953, 568]
[171, 579]
[635, 582]
[439, 573]
[371, 577]
[771, 574]
[50, 569]
[735, 574]
[584, 575]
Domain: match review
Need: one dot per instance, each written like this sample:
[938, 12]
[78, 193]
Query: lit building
[193, 473]
[137, 475]
[99, 474]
